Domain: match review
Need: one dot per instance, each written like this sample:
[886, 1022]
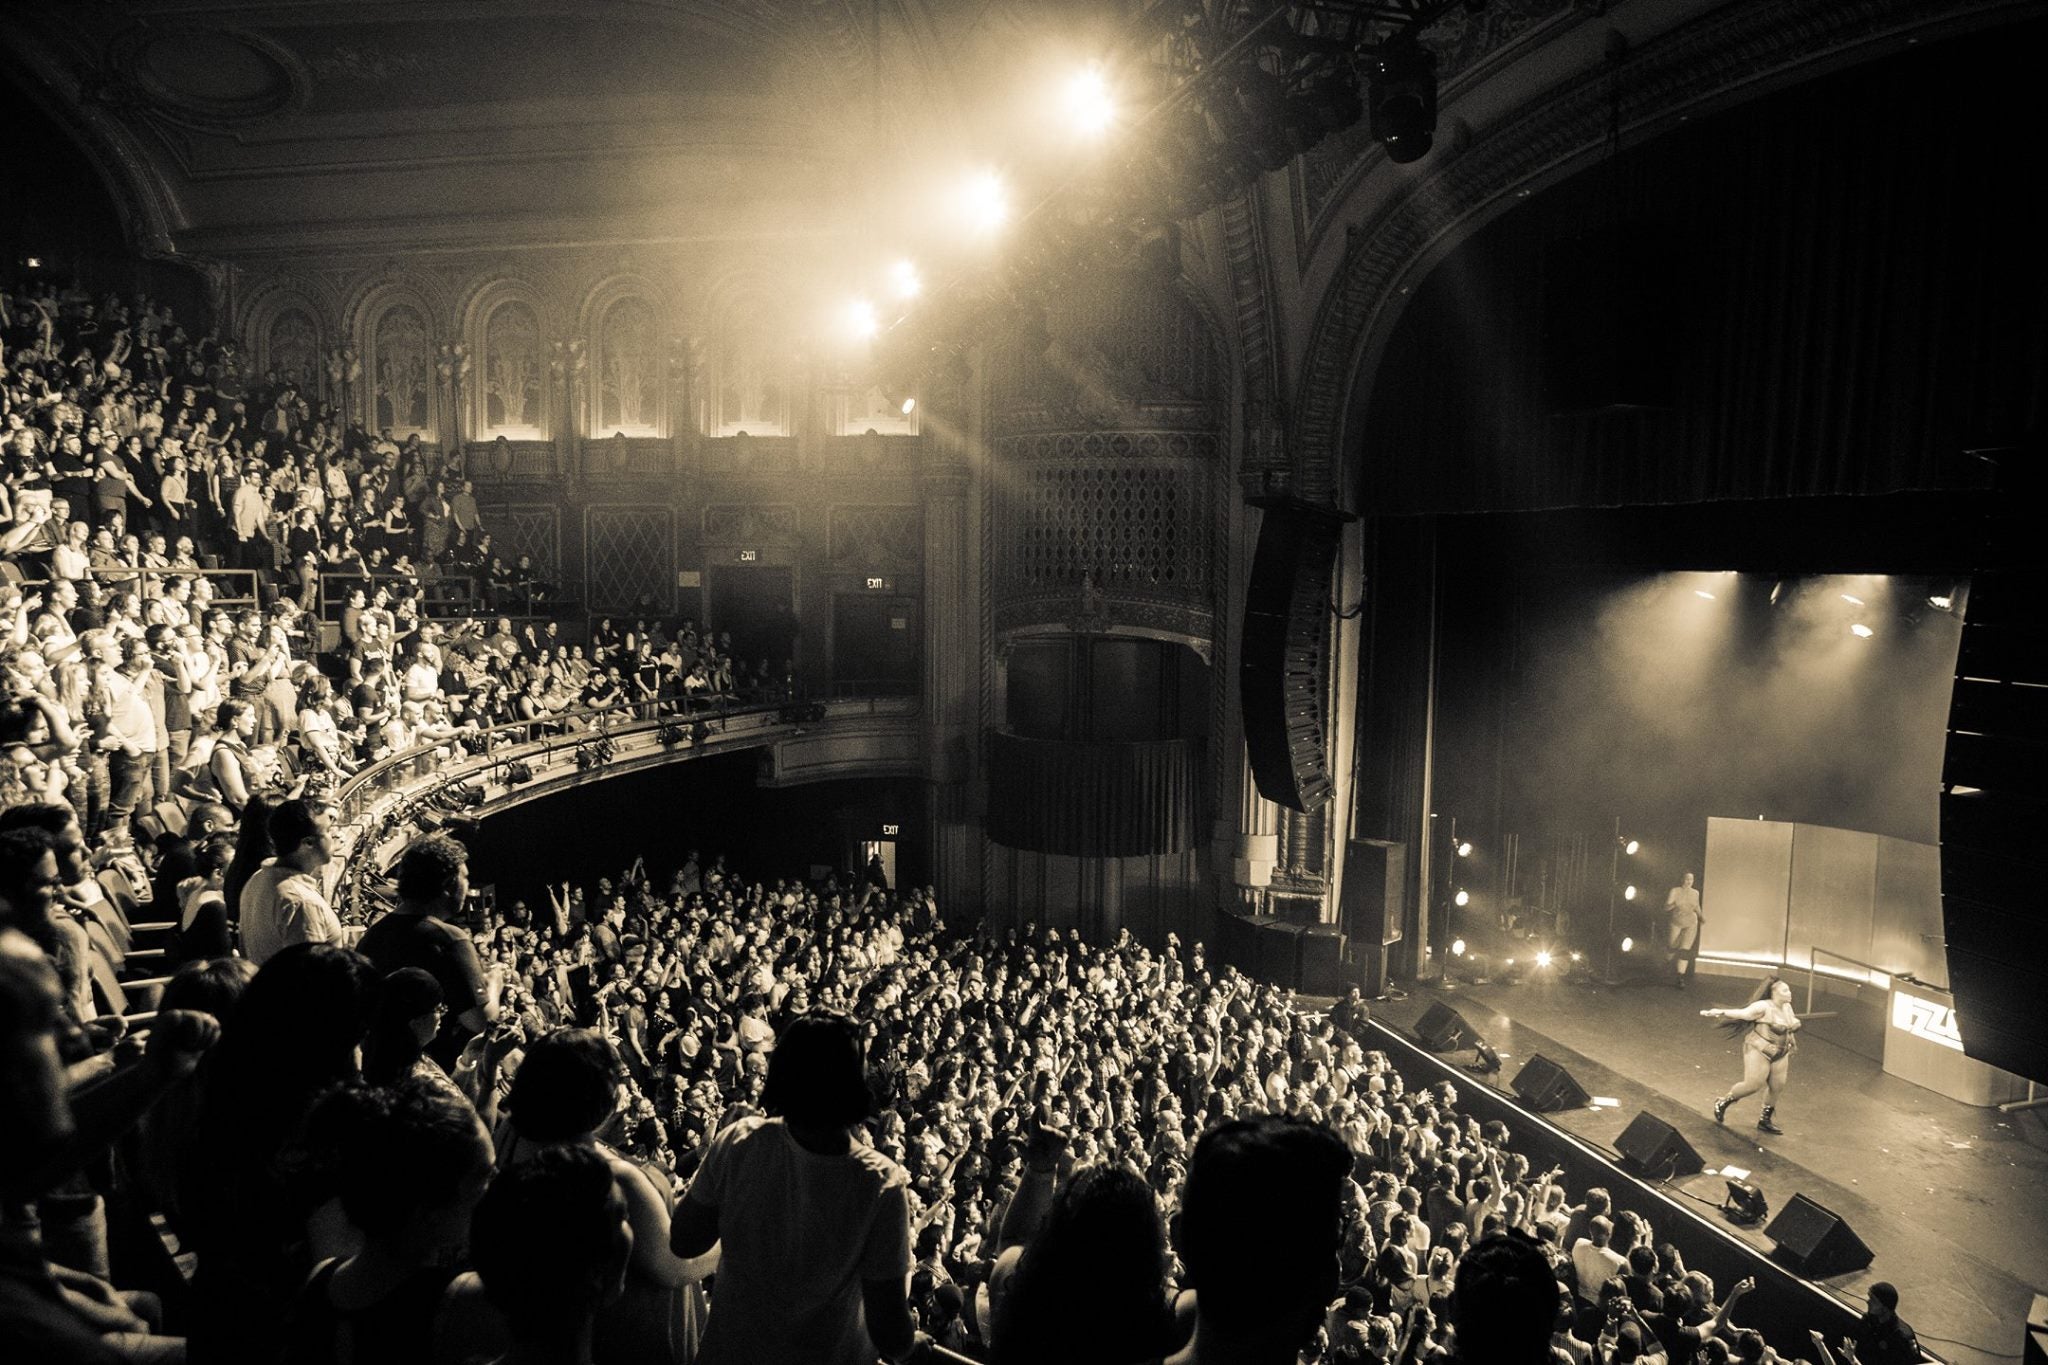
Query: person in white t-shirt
[283, 903]
[812, 1222]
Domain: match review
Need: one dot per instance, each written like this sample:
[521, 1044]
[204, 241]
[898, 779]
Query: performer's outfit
[1682, 928]
[1775, 1043]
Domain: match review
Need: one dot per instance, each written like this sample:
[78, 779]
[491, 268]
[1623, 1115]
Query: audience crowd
[687, 1117]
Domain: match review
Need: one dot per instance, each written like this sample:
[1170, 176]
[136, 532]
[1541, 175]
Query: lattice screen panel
[1132, 527]
[526, 528]
[628, 551]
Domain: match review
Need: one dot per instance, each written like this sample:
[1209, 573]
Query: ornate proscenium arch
[1741, 52]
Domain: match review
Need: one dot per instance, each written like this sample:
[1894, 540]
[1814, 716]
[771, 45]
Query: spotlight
[1628, 945]
[1578, 956]
[904, 281]
[1543, 959]
[1465, 849]
[1457, 947]
[32, 262]
[1777, 590]
[1702, 592]
[1632, 847]
[984, 202]
[862, 322]
[1942, 602]
[905, 403]
[1403, 100]
[1861, 631]
[1628, 893]
[1462, 898]
[1088, 104]
[1852, 599]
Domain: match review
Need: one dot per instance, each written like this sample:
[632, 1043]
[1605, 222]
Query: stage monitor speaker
[1814, 1240]
[1650, 1146]
[1375, 883]
[1322, 960]
[1994, 787]
[1547, 1088]
[1280, 653]
[1280, 954]
[1443, 1029]
[2034, 1350]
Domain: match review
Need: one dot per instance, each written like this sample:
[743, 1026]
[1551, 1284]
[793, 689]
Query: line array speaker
[1280, 658]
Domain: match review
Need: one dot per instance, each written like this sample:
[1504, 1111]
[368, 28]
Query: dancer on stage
[1767, 1025]
[1683, 917]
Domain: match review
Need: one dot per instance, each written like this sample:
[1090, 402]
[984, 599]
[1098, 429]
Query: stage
[1953, 1200]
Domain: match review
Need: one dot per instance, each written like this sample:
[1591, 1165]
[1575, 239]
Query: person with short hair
[1881, 1336]
[1259, 1233]
[283, 902]
[551, 1244]
[433, 885]
[813, 1222]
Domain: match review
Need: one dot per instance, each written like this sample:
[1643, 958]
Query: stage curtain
[1094, 800]
[1848, 308]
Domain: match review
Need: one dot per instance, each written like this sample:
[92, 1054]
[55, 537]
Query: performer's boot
[1721, 1108]
[1764, 1124]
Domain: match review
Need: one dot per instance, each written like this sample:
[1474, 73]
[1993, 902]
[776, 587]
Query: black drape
[1094, 800]
[1844, 275]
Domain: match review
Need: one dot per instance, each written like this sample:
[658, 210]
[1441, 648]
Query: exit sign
[749, 556]
[876, 584]
[890, 831]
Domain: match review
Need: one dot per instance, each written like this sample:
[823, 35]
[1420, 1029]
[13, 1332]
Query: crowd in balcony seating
[700, 1118]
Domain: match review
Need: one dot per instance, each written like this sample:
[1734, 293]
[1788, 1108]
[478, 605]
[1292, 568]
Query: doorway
[756, 606]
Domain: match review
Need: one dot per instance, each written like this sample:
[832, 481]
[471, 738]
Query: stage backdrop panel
[1775, 891]
[1749, 864]
[1834, 886]
[1906, 932]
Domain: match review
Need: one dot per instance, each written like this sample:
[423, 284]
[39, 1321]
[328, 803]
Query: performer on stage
[1683, 918]
[1767, 1025]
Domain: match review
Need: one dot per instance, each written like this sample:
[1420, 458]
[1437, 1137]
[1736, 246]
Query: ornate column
[953, 655]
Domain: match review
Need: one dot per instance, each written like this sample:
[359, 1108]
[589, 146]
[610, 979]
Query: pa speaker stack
[1280, 659]
[1994, 781]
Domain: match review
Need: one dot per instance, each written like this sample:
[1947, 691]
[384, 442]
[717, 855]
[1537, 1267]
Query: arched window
[856, 407]
[511, 374]
[291, 347]
[626, 371]
[748, 384]
[400, 373]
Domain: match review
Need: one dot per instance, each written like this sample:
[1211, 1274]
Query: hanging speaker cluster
[1280, 662]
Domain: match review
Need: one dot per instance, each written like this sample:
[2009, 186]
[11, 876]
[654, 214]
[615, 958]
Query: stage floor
[1953, 1200]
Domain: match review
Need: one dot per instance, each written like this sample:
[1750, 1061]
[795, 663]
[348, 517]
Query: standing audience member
[283, 903]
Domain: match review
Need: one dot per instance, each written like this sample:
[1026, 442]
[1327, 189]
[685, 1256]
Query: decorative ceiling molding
[1251, 291]
[1741, 52]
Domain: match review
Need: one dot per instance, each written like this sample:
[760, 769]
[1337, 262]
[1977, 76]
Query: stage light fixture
[904, 403]
[1465, 849]
[984, 202]
[1777, 590]
[1632, 847]
[1485, 1059]
[1628, 893]
[862, 322]
[1852, 599]
[1628, 945]
[1457, 947]
[1702, 592]
[1543, 959]
[903, 280]
[1403, 100]
[1090, 107]
[1861, 631]
[1578, 956]
[1462, 898]
[1942, 602]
